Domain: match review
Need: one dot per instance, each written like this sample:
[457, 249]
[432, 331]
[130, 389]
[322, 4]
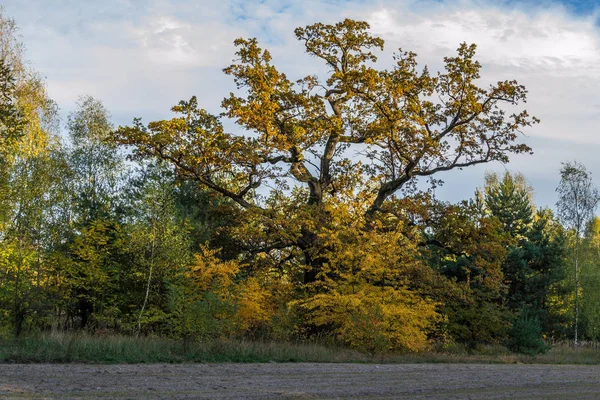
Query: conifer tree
[509, 201]
[535, 255]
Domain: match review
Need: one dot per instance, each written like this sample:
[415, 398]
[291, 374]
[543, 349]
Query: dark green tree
[468, 250]
[542, 260]
[535, 256]
[509, 200]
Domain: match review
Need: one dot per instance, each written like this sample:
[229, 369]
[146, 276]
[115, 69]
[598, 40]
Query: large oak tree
[351, 140]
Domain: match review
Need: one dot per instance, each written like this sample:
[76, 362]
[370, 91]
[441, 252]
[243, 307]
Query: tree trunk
[314, 262]
[19, 319]
[575, 341]
[313, 267]
[139, 324]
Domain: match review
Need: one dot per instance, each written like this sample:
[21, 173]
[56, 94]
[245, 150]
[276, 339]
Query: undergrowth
[85, 348]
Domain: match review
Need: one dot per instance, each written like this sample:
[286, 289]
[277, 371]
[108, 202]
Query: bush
[526, 336]
[375, 319]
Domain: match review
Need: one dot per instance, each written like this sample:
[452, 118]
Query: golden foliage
[252, 301]
[364, 291]
[375, 319]
[209, 273]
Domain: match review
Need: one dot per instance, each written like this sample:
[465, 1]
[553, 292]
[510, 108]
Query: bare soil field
[299, 381]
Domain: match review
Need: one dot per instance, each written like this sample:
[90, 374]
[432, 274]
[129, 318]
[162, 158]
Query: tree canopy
[385, 126]
[356, 136]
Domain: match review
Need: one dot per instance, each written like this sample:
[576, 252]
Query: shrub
[526, 336]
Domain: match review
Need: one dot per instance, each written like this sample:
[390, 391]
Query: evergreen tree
[509, 201]
[535, 256]
[544, 267]
[468, 249]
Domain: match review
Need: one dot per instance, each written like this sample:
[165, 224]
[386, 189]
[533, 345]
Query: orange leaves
[209, 273]
[256, 305]
[273, 107]
[199, 148]
[463, 66]
[252, 300]
[364, 288]
[375, 319]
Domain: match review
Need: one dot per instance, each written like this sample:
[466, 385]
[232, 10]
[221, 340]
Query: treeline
[179, 229]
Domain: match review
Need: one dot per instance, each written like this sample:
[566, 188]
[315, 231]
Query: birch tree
[577, 201]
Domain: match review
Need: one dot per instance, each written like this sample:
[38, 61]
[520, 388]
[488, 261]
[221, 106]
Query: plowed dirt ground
[299, 381]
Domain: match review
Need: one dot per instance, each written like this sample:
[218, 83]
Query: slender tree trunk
[19, 319]
[139, 324]
[575, 341]
[17, 314]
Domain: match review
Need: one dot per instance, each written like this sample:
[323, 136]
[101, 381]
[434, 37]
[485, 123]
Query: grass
[84, 348]
[64, 347]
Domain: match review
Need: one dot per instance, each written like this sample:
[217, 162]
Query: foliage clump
[526, 336]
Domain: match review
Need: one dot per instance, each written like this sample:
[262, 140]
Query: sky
[140, 57]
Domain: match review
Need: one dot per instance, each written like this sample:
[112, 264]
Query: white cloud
[179, 44]
[551, 41]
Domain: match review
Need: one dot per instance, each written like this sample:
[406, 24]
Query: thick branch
[390, 187]
[385, 191]
[205, 180]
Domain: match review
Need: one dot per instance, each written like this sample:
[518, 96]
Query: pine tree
[535, 257]
[509, 201]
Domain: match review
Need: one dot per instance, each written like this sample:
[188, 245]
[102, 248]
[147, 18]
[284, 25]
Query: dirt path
[299, 381]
